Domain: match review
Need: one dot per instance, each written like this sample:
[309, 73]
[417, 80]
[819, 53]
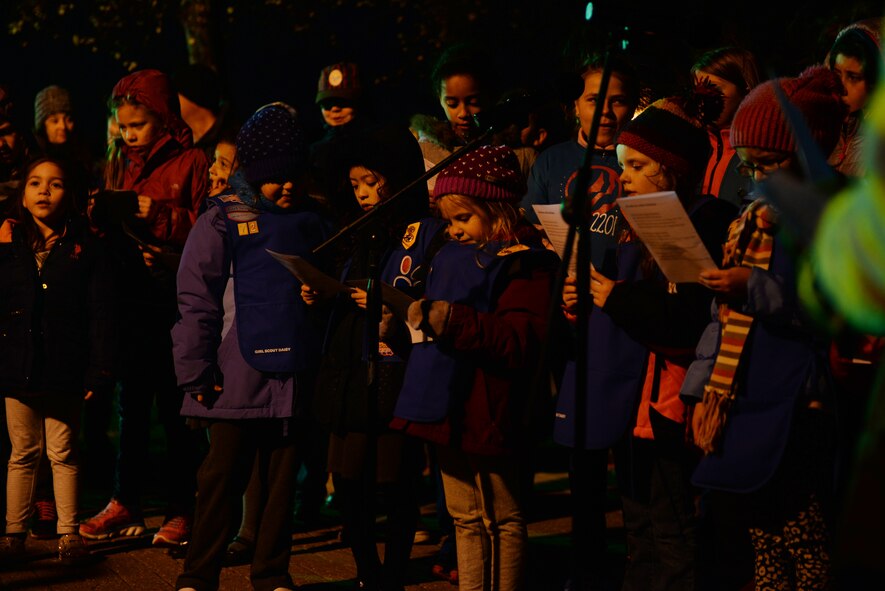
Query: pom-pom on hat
[672, 131]
[490, 173]
[760, 123]
[271, 145]
[339, 81]
[49, 101]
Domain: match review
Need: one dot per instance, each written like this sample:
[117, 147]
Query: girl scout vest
[274, 333]
[460, 274]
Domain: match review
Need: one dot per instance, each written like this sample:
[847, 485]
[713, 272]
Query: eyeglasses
[764, 168]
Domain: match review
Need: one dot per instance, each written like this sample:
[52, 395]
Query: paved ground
[319, 561]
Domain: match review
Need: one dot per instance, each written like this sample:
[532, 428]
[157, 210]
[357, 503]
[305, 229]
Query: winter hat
[271, 145]
[49, 101]
[153, 89]
[672, 131]
[200, 85]
[339, 81]
[816, 93]
[490, 173]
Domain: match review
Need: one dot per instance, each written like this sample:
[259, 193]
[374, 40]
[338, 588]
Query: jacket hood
[153, 89]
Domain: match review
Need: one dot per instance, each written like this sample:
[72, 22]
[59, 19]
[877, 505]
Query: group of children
[719, 385]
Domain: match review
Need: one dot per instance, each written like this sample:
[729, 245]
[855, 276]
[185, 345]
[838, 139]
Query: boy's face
[461, 99]
[222, 167]
[337, 112]
[616, 109]
[281, 193]
[758, 163]
[850, 70]
[58, 127]
[138, 126]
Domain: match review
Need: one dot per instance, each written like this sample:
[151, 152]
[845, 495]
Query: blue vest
[774, 372]
[274, 334]
[434, 375]
[615, 372]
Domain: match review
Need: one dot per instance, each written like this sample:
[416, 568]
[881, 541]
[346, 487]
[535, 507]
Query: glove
[207, 390]
[430, 316]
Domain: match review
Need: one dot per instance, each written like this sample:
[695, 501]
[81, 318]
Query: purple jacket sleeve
[202, 277]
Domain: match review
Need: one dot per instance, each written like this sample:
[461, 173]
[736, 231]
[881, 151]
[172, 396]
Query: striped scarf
[750, 240]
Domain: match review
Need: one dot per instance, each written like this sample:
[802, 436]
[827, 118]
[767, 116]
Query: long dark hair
[67, 209]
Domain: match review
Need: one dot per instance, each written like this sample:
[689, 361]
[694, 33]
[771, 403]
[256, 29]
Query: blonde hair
[500, 218]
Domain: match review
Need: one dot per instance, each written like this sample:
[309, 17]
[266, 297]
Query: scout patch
[405, 265]
[246, 228]
[240, 213]
[410, 235]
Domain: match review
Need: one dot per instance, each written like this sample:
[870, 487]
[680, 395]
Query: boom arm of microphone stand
[389, 203]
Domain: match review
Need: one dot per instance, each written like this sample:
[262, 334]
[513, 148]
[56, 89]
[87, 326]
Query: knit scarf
[749, 244]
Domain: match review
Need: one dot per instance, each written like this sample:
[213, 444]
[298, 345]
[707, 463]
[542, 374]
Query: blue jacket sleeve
[202, 277]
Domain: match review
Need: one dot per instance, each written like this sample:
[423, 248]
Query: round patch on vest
[336, 76]
[405, 265]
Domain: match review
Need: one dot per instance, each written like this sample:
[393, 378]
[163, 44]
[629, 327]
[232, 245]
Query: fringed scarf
[749, 244]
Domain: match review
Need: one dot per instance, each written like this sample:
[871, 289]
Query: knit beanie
[339, 81]
[200, 85]
[490, 173]
[271, 145]
[672, 131]
[816, 93]
[49, 101]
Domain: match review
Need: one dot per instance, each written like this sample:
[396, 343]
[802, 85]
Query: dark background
[274, 49]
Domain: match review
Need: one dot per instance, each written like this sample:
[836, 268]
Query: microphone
[513, 110]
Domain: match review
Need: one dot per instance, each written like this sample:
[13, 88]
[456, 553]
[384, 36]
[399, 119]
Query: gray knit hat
[49, 101]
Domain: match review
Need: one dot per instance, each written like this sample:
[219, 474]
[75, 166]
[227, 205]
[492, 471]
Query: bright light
[588, 12]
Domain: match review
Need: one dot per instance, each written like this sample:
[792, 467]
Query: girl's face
[58, 126]
[467, 225]
[616, 109]
[44, 193]
[222, 167]
[139, 127]
[850, 70]
[641, 174]
[280, 192]
[337, 112]
[368, 187]
[731, 96]
[461, 99]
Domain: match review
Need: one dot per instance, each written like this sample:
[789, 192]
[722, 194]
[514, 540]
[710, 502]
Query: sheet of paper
[397, 301]
[662, 224]
[306, 273]
[556, 229]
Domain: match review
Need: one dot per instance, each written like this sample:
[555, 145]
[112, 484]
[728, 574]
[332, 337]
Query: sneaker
[44, 521]
[174, 532]
[72, 550]
[11, 548]
[114, 520]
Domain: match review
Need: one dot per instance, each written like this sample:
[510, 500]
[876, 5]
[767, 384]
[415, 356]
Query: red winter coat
[171, 172]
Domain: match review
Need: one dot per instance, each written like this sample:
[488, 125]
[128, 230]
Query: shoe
[114, 520]
[44, 521]
[11, 548]
[239, 551]
[72, 550]
[174, 532]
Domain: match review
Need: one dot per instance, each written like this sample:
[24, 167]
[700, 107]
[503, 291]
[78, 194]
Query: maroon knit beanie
[339, 81]
[816, 93]
[672, 131]
[490, 173]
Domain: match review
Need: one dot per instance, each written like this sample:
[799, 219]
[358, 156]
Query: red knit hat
[816, 93]
[672, 131]
[491, 173]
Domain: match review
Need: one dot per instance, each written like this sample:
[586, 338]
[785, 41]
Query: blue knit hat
[271, 145]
